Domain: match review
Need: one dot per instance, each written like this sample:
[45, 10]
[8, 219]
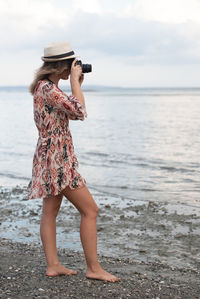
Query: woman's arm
[69, 104]
[76, 79]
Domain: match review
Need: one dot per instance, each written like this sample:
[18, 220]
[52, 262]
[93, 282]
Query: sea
[136, 143]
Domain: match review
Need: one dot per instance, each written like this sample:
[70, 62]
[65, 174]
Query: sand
[23, 276]
[152, 246]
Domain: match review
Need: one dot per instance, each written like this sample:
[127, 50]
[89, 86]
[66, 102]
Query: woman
[55, 165]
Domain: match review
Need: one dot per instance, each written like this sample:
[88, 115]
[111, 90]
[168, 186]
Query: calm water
[136, 143]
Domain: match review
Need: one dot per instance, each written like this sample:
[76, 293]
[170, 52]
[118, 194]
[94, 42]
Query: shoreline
[23, 276]
[144, 231]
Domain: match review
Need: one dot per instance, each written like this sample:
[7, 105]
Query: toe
[116, 279]
[73, 272]
[51, 274]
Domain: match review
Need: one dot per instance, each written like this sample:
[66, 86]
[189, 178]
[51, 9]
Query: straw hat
[58, 51]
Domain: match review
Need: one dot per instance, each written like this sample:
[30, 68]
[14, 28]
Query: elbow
[81, 116]
[84, 115]
[78, 116]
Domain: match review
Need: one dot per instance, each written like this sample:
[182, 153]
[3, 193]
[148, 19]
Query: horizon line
[112, 86]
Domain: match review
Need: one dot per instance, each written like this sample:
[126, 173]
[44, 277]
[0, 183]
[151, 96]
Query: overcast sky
[129, 43]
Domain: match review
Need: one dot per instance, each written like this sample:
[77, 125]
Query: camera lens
[86, 68]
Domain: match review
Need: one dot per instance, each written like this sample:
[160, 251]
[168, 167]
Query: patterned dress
[54, 162]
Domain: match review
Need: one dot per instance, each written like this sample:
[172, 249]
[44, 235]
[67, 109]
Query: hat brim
[57, 59]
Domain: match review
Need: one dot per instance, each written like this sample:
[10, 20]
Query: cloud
[170, 11]
[140, 41]
[24, 22]
[91, 6]
[125, 34]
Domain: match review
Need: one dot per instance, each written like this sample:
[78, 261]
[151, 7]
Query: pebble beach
[23, 276]
[159, 262]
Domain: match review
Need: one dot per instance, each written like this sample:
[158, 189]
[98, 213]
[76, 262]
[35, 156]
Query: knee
[91, 212]
[96, 211]
[50, 210]
[52, 214]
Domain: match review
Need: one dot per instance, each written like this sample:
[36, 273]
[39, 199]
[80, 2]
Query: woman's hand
[76, 73]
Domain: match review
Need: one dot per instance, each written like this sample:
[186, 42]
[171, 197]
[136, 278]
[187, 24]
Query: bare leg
[84, 202]
[51, 206]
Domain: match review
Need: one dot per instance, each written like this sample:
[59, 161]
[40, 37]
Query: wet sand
[153, 246]
[142, 230]
[23, 266]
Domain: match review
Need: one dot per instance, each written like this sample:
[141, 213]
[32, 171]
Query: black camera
[86, 68]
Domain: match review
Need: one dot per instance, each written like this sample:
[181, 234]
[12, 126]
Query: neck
[55, 79]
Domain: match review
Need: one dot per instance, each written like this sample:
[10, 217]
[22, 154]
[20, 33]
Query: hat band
[61, 55]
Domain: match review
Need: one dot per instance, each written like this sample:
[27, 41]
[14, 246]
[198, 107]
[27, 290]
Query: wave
[152, 165]
[14, 176]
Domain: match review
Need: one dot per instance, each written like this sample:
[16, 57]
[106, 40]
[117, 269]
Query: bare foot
[101, 275]
[59, 270]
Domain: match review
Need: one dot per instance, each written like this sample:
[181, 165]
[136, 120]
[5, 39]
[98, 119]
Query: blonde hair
[49, 68]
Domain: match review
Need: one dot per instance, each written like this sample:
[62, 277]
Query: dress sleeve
[69, 104]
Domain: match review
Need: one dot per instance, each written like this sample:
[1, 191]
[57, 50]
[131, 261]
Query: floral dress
[54, 162]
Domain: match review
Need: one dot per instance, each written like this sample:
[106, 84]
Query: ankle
[94, 267]
[53, 264]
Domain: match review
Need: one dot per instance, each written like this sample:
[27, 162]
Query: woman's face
[65, 74]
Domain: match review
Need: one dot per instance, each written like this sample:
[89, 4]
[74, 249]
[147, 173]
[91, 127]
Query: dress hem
[73, 189]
